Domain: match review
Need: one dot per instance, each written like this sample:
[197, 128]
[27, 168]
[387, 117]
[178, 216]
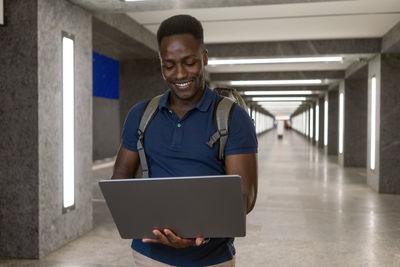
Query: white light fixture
[68, 88]
[317, 123]
[280, 104]
[132, 0]
[278, 98]
[373, 123]
[276, 82]
[326, 123]
[341, 121]
[304, 92]
[307, 122]
[282, 117]
[311, 122]
[240, 61]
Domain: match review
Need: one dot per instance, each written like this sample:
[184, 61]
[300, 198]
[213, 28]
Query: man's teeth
[183, 84]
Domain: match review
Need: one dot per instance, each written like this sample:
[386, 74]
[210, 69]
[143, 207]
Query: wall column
[321, 101]
[32, 220]
[355, 130]
[333, 115]
[384, 177]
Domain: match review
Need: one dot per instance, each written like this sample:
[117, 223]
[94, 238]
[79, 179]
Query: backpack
[222, 113]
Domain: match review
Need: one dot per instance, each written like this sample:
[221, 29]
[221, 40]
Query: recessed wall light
[341, 121]
[68, 92]
[373, 123]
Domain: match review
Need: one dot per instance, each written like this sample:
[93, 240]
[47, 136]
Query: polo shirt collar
[203, 105]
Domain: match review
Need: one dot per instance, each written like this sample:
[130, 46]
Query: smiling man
[175, 144]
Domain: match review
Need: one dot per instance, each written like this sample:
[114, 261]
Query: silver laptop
[207, 206]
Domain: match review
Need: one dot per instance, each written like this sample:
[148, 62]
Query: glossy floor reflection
[309, 212]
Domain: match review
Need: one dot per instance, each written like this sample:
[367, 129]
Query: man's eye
[168, 67]
[190, 63]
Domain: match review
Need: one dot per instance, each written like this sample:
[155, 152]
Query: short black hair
[180, 24]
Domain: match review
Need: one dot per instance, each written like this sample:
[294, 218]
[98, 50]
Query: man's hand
[168, 238]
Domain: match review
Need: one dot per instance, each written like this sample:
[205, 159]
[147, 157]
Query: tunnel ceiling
[253, 29]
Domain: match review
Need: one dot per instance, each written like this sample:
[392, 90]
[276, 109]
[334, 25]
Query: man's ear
[205, 57]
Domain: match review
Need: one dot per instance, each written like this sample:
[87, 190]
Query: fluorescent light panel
[304, 92]
[278, 99]
[317, 123]
[216, 61]
[341, 121]
[68, 122]
[311, 123]
[276, 82]
[280, 117]
[373, 123]
[282, 103]
[326, 123]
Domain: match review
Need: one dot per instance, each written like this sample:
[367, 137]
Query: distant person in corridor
[175, 144]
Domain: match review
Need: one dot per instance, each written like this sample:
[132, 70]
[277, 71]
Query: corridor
[309, 212]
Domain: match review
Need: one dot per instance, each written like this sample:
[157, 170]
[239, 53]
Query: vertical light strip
[68, 122]
[307, 123]
[326, 123]
[341, 121]
[373, 122]
[317, 123]
[311, 123]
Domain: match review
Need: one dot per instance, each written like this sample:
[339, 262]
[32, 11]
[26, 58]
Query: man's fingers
[149, 240]
[199, 241]
[171, 236]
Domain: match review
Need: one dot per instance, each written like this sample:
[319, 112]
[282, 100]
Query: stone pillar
[32, 221]
[333, 116]
[355, 129]
[384, 178]
[321, 101]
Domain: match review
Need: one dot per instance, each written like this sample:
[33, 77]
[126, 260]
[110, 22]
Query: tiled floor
[309, 212]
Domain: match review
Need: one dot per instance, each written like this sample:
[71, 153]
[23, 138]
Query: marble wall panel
[58, 228]
[356, 114]
[106, 124]
[139, 80]
[19, 185]
[389, 148]
[333, 116]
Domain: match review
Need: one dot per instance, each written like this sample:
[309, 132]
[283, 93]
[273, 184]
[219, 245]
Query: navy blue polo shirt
[177, 147]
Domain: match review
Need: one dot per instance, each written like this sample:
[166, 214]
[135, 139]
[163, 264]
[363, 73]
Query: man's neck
[180, 106]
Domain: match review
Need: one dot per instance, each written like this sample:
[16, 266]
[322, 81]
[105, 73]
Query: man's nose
[181, 72]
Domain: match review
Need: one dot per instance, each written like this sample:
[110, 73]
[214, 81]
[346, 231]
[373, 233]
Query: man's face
[182, 63]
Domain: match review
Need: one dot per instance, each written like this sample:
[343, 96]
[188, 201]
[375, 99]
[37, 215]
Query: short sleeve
[242, 134]
[130, 130]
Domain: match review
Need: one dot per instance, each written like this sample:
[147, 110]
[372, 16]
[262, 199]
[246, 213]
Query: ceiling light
[132, 0]
[304, 92]
[278, 99]
[276, 82]
[281, 117]
[217, 61]
[277, 103]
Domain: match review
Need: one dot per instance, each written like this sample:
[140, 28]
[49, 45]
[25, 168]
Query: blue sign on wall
[105, 76]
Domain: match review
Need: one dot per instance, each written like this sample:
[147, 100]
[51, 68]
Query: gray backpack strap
[148, 114]
[221, 116]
